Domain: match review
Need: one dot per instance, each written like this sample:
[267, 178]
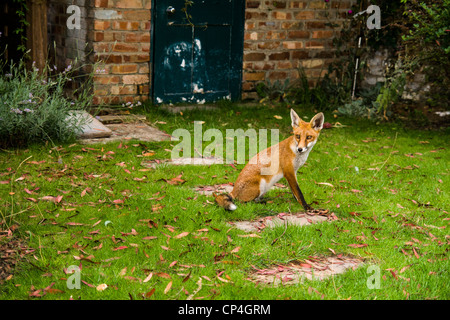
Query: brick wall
[280, 37]
[67, 45]
[285, 35]
[121, 39]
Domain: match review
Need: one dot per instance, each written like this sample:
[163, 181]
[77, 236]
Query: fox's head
[306, 133]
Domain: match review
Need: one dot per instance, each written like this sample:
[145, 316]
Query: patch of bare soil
[12, 250]
[314, 268]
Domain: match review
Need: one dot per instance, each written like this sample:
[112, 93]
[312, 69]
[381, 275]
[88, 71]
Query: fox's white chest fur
[265, 186]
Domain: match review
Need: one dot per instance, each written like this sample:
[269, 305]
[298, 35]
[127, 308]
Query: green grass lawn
[150, 236]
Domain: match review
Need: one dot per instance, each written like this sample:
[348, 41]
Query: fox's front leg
[293, 184]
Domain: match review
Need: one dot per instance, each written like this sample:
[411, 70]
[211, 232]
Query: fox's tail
[225, 201]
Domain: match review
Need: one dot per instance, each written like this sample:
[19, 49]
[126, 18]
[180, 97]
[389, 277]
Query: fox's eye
[297, 136]
[309, 137]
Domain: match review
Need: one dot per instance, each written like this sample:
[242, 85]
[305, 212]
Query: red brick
[101, 25]
[124, 68]
[281, 15]
[110, 58]
[101, 3]
[253, 4]
[279, 56]
[255, 15]
[292, 44]
[297, 4]
[305, 15]
[123, 47]
[317, 4]
[136, 57]
[123, 90]
[298, 55]
[254, 56]
[99, 36]
[298, 34]
[106, 79]
[269, 45]
[275, 35]
[135, 79]
[255, 76]
[138, 15]
[135, 4]
[260, 66]
[323, 34]
[278, 75]
[314, 45]
[315, 25]
[126, 25]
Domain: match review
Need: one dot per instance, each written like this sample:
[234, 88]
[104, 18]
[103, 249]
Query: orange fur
[266, 168]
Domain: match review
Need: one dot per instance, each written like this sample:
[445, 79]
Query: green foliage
[148, 234]
[34, 108]
[427, 42]
[299, 92]
[21, 14]
[358, 109]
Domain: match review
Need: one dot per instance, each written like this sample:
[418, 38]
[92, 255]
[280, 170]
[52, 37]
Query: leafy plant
[358, 109]
[21, 31]
[427, 42]
[34, 108]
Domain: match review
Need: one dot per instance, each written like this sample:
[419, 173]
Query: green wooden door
[197, 53]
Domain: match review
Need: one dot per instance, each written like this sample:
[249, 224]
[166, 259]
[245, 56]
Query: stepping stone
[315, 268]
[285, 219]
[182, 161]
[121, 118]
[128, 131]
[225, 188]
[91, 128]
[178, 109]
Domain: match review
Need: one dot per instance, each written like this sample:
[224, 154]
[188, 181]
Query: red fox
[278, 161]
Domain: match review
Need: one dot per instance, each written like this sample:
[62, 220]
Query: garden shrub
[34, 107]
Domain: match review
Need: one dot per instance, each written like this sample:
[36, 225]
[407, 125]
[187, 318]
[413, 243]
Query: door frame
[237, 15]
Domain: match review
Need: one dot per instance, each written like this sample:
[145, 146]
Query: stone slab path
[285, 219]
[108, 128]
[91, 128]
[314, 268]
[207, 161]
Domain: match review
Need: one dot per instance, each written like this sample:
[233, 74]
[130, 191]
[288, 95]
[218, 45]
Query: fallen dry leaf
[102, 287]
[181, 235]
[169, 285]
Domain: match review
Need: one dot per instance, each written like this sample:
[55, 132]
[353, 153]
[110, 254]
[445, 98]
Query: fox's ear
[317, 121]
[295, 119]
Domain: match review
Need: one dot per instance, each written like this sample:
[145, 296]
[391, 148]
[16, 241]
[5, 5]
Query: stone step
[91, 127]
[121, 118]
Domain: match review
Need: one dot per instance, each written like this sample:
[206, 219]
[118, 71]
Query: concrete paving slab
[91, 127]
[315, 268]
[128, 131]
[207, 161]
[284, 220]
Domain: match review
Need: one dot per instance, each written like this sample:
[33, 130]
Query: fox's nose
[301, 149]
